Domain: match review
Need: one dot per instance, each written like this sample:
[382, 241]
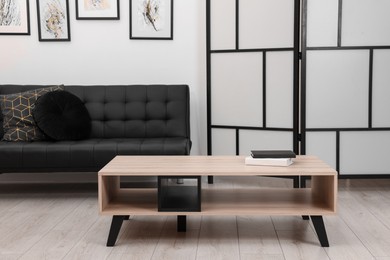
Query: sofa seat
[85, 155]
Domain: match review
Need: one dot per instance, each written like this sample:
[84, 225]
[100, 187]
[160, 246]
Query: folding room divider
[307, 75]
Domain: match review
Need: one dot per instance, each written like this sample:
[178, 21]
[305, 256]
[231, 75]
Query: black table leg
[210, 179]
[181, 223]
[114, 229]
[319, 226]
[296, 181]
[303, 181]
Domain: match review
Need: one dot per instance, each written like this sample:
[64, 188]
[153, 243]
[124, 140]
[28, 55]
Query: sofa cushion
[62, 116]
[136, 111]
[85, 155]
[18, 122]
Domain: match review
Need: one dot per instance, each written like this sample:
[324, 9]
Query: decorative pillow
[62, 116]
[18, 122]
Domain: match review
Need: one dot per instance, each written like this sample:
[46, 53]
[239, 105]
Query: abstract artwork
[151, 19]
[14, 17]
[97, 9]
[53, 20]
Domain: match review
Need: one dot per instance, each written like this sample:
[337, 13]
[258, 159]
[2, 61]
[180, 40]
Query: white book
[268, 161]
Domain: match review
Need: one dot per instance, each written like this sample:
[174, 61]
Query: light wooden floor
[61, 221]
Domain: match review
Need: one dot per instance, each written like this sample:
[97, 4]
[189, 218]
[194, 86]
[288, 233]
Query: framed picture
[53, 20]
[97, 9]
[14, 17]
[151, 19]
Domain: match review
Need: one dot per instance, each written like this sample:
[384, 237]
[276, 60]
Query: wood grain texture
[319, 200]
[209, 165]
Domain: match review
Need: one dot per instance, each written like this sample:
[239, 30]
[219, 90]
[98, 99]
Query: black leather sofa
[126, 120]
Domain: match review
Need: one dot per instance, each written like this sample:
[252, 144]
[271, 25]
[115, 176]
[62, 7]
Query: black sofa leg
[210, 179]
[181, 223]
[116, 225]
[319, 226]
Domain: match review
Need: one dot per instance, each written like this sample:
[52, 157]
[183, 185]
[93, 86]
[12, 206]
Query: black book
[272, 154]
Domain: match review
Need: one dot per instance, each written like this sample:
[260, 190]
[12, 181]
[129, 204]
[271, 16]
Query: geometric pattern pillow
[18, 121]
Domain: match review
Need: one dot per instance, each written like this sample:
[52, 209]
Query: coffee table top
[210, 165]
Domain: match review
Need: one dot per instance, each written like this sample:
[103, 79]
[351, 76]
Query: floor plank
[30, 220]
[140, 237]
[376, 201]
[64, 236]
[93, 244]
[257, 238]
[301, 244]
[9, 201]
[178, 245]
[344, 244]
[218, 238]
[368, 228]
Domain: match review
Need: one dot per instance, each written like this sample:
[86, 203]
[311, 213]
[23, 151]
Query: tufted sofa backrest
[131, 111]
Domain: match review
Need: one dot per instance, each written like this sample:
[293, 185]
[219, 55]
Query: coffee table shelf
[318, 200]
[281, 201]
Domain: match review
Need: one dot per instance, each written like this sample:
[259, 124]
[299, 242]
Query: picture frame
[97, 10]
[53, 20]
[15, 17]
[151, 19]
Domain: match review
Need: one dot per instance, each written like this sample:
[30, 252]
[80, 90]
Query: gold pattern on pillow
[18, 122]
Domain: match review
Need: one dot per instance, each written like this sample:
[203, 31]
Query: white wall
[100, 52]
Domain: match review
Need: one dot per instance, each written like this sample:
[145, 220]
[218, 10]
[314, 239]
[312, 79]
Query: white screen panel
[266, 23]
[364, 152]
[236, 96]
[365, 22]
[381, 89]
[322, 23]
[223, 142]
[253, 139]
[280, 88]
[337, 88]
[223, 24]
[322, 145]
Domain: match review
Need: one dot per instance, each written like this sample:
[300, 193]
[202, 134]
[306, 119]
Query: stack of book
[270, 157]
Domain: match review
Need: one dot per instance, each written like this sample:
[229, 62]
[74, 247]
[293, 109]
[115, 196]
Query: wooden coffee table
[168, 198]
